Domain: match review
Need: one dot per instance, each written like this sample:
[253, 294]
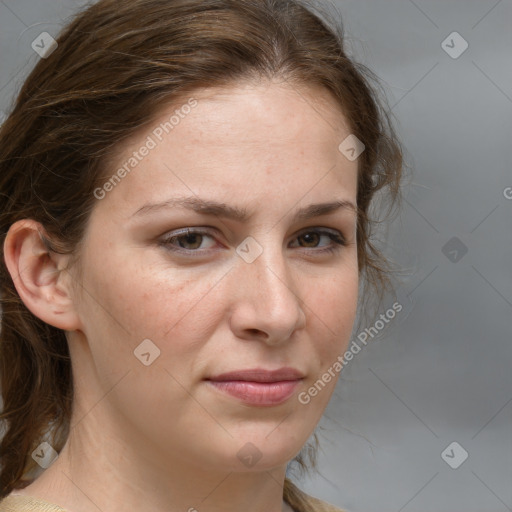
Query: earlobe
[40, 276]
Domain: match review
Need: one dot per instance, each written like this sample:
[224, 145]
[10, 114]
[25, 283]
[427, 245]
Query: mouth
[257, 386]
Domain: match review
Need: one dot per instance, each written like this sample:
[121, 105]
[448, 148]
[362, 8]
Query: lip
[258, 386]
[260, 375]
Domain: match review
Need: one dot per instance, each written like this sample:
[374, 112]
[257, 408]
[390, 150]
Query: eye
[194, 242]
[187, 241]
[311, 240]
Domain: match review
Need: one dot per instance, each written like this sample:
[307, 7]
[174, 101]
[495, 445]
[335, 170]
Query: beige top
[22, 503]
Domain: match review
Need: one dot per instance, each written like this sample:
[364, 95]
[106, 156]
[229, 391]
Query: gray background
[440, 371]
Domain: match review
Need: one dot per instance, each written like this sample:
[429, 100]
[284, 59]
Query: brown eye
[188, 241]
[312, 240]
[192, 240]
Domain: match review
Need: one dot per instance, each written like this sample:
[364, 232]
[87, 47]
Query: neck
[106, 472]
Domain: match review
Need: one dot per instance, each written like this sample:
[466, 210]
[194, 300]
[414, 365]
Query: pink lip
[260, 375]
[258, 386]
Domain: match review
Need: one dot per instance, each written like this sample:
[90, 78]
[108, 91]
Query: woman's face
[162, 313]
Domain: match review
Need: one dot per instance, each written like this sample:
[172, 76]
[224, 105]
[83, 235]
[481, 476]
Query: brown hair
[116, 64]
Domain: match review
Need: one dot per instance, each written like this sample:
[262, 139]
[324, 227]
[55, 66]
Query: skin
[159, 437]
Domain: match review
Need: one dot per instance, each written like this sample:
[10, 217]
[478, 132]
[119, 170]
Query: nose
[266, 304]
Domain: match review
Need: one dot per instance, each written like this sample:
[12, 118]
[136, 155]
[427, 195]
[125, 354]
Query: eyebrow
[223, 210]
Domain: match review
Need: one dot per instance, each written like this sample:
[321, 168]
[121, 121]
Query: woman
[185, 191]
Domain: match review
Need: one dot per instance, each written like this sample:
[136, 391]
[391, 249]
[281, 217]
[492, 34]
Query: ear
[39, 275]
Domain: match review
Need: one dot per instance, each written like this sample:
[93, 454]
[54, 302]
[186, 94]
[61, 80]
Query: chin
[263, 449]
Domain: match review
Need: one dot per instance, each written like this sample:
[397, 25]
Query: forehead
[230, 138]
[265, 114]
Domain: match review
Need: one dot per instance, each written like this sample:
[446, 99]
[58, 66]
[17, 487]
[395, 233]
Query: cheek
[176, 309]
[332, 310]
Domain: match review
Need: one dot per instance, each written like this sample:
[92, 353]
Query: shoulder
[24, 503]
[303, 502]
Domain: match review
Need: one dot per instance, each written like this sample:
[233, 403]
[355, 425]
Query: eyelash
[335, 236]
